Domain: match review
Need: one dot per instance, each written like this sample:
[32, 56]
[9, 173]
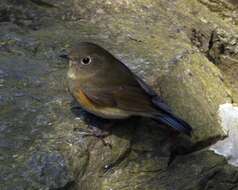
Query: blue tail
[176, 123]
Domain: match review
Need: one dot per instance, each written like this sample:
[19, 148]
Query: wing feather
[127, 98]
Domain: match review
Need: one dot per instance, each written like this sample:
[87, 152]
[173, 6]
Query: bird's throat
[71, 74]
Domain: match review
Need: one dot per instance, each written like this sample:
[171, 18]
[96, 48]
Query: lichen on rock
[186, 50]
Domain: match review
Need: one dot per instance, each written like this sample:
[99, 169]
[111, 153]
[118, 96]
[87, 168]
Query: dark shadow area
[162, 140]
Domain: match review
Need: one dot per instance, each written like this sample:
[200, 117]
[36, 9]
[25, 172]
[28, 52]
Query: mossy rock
[194, 88]
[167, 43]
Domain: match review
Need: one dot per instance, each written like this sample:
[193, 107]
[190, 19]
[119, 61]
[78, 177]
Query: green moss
[154, 39]
[192, 84]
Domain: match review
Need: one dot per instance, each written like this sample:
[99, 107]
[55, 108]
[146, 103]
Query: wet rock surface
[185, 49]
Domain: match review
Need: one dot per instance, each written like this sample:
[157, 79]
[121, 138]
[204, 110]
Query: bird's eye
[86, 60]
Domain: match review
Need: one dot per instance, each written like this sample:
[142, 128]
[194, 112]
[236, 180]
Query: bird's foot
[95, 132]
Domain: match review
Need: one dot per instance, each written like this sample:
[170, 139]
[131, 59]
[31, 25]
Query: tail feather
[176, 123]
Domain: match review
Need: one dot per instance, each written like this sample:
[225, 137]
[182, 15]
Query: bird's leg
[97, 132]
[100, 134]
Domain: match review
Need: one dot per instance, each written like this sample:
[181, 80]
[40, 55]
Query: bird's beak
[64, 56]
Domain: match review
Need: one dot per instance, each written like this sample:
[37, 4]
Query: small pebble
[1, 72]
[1, 82]
[3, 127]
[19, 94]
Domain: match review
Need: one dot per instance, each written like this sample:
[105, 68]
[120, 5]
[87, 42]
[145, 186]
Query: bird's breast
[104, 112]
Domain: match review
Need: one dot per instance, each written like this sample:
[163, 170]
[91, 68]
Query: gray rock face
[185, 49]
[47, 170]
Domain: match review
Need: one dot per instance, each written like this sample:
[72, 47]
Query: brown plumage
[107, 88]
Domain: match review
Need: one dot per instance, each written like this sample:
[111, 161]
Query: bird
[107, 88]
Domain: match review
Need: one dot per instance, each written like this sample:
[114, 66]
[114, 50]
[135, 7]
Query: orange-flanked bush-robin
[107, 88]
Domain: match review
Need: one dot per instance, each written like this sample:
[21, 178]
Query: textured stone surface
[185, 49]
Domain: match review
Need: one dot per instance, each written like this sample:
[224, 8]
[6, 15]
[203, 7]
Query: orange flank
[84, 100]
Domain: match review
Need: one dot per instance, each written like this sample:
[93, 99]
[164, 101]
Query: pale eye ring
[86, 60]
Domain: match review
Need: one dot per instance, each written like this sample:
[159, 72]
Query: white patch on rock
[228, 114]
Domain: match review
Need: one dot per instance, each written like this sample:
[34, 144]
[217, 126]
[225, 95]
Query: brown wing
[128, 98]
[158, 102]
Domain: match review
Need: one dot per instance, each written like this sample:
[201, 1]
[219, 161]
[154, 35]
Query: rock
[195, 78]
[180, 48]
[228, 147]
[47, 170]
[224, 52]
